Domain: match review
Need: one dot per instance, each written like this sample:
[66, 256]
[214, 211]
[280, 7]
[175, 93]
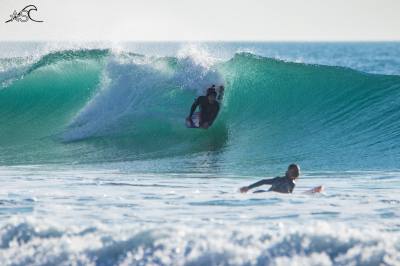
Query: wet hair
[293, 165]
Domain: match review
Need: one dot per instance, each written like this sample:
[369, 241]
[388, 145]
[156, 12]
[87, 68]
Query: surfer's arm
[194, 106]
[257, 184]
[262, 182]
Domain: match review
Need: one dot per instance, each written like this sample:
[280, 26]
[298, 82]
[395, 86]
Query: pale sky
[207, 20]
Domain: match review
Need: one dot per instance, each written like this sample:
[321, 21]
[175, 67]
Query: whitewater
[97, 167]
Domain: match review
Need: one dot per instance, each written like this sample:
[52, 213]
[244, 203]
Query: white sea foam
[35, 242]
[101, 215]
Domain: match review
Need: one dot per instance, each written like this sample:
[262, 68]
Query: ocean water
[97, 167]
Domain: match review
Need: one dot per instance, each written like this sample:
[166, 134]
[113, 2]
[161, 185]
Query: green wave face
[43, 101]
[91, 106]
[322, 116]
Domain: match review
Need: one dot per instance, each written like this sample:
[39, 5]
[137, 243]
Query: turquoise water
[91, 106]
[97, 167]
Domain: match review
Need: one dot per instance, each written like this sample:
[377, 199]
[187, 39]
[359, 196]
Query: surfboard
[318, 189]
[195, 120]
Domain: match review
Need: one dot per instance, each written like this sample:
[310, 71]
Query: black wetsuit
[278, 184]
[208, 111]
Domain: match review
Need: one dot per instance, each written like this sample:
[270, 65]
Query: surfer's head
[212, 96]
[293, 171]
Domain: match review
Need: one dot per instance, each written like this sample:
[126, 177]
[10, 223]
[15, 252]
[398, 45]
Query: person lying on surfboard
[209, 108]
[283, 184]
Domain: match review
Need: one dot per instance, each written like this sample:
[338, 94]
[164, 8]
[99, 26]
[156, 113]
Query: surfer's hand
[244, 189]
[318, 189]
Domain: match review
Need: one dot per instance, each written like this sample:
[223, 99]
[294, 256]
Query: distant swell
[96, 106]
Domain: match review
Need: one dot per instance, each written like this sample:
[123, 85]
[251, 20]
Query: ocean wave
[89, 104]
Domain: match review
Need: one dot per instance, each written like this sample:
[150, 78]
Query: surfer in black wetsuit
[283, 184]
[209, 108]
